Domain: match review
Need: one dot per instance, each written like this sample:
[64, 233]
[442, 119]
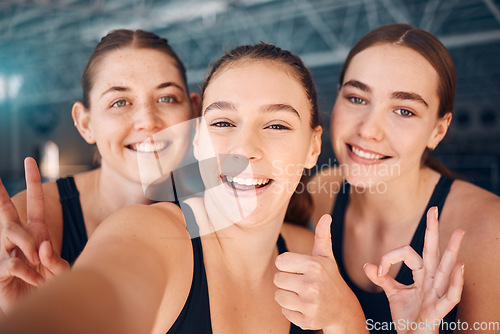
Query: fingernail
[364, 265]
[436, 213]
[379, 270]
[463, 269]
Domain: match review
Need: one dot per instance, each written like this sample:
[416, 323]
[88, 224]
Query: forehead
[132, 65]
[394, 68]
[257, 82]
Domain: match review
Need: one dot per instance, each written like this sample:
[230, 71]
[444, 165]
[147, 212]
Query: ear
[439, 131]
[195, 104]
[315, 147]
[81, 118]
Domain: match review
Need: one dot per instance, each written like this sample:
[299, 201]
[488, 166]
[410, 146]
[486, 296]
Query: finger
[386, 282]
[287, 299]
[35, 198]
[288, 281]
[293, 262]
[405, 254]
[454, 293]
[296, 317]
[448, 261]
[8, 212]
[431, 242]
[14, 267]
[49, 259]
[323, 238]
[14, 235]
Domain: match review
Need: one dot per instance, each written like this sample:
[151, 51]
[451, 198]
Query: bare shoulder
[157, 219]
[477, 212]
[324, 187]
[298, 239]
[137, 232]
[473, 208]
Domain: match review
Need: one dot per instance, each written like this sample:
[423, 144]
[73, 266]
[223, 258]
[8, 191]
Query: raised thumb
[323, 238]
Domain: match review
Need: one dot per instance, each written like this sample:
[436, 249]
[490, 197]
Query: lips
[364, 154]
[245, 183]
[148, 147]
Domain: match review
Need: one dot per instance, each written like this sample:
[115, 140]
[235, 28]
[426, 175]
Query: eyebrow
[125, 89]
[280, 107]
[396, 95]
[409, 96]
[357, 84]
[218, 105]
[277, 107]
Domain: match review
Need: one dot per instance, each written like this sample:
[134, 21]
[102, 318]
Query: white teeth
[247, 181]
[149, 147]
[366, 155]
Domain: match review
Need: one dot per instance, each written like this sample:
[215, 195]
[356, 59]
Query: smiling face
[137, 92]
[255, 110]
[386, 114]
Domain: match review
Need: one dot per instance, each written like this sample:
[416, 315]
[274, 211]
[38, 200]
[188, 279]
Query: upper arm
[478, 213]
[139, 257]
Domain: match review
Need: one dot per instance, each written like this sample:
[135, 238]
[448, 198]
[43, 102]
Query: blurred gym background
[44, 45]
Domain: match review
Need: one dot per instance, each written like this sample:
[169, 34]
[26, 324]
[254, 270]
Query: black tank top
[195, 315]
[74, 233]
[376, 305]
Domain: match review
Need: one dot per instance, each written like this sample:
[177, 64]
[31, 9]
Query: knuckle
[314, 268]
[407, 249]
[9, 227]
[313, 290]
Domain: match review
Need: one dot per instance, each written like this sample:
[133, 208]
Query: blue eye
[404, 112]
[166, 99]
[356, 100]
[119, 104]
[222, 124]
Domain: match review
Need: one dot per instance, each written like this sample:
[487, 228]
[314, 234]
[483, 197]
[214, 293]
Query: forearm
[351, 321]
[80, 302]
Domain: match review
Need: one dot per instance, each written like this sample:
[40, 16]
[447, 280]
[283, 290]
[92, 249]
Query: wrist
[351, 321]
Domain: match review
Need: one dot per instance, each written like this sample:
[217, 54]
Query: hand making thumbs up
[311, 291]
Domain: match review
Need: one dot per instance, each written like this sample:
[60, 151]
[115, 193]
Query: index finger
[293, 263]
[430, 253]
[8, 212]
[35, 199]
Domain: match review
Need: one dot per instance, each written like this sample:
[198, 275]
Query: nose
[248, 144]
[371, 125]
[147, 118]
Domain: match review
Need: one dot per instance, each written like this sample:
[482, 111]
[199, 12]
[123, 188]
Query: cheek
[339, 125]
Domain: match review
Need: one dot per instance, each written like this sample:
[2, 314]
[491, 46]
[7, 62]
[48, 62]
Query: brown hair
[300, 207]
[429, 47]
[121, 38]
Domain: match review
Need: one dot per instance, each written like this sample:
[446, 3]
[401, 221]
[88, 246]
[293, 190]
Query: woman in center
[140, 275]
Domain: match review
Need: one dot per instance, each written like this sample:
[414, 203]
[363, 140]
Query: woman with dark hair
[395, 103]
[140, 276]
[134, 85]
